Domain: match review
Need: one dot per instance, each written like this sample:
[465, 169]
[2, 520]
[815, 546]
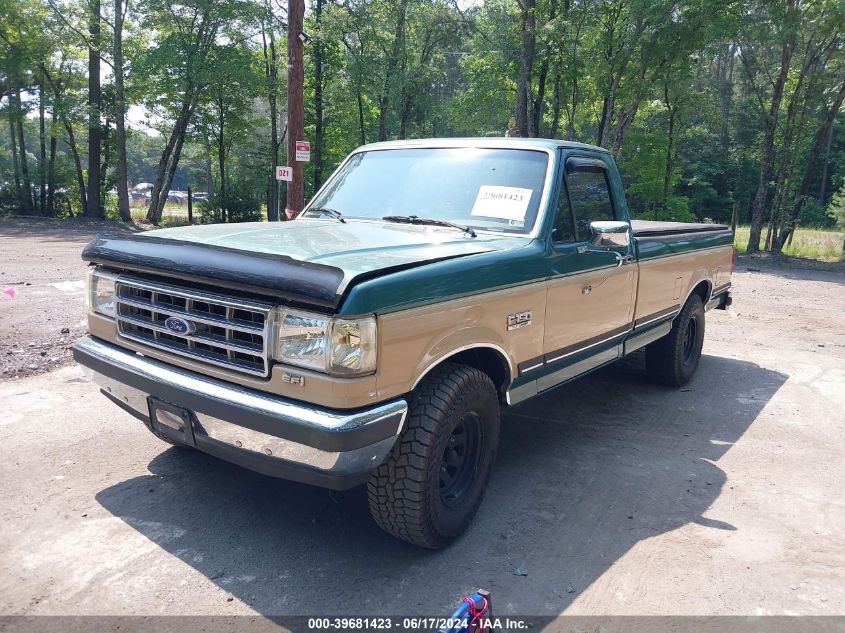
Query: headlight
[344, 347]
[353, 346]
[100, 292]
[302, 340]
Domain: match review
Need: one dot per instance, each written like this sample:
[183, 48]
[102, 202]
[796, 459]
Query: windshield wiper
[415, 219]
[332, 212]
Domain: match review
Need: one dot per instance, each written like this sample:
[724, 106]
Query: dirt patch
[41, 264]
[767, 261]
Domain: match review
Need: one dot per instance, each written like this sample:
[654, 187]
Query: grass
[820, 244]
[170, 210]
[173, 215]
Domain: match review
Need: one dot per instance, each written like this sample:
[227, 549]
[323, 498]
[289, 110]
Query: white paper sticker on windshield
[507, 203]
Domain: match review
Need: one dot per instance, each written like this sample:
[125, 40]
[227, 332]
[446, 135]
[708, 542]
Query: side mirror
[610, 234]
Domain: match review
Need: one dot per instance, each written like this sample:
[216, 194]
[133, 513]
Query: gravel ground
[41, 263]
[610, 495]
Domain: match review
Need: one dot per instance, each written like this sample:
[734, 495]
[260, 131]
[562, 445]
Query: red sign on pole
[303, 151]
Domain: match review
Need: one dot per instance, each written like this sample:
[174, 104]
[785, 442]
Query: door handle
[620, 259]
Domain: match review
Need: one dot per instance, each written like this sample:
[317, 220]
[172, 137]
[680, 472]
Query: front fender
[413, 342]
[456, 343]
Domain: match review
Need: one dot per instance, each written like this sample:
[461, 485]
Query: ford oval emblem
[179, 326]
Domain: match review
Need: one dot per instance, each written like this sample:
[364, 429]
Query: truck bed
[659, 239]
[649, 228]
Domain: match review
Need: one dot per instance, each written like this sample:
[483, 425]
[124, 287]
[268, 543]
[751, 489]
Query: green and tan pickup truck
[375, 338]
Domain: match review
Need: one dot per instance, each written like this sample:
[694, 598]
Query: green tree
[178, 68]
[226, 114]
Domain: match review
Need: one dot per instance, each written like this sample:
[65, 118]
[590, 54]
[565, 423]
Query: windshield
[495, 189]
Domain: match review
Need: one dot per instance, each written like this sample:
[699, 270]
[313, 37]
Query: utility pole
[296, 122]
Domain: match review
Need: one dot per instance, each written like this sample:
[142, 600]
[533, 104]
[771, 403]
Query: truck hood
[356, 247]
[312, 262]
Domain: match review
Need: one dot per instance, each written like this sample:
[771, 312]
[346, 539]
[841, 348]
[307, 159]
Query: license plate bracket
[172, 421]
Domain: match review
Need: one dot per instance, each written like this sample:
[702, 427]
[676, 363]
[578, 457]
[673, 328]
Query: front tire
[673, 359]
[432, 483]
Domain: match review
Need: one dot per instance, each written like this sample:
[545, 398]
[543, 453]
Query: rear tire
[432, 483]
[673, 359]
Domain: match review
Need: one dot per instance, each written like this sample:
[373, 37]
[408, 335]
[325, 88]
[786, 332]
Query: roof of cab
[491, 142]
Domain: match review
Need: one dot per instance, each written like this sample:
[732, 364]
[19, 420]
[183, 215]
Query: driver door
[590, 299]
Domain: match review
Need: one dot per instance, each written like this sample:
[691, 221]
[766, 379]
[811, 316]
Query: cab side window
[589, 193]
[564, 229]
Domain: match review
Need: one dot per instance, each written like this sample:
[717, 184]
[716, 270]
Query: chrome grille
[226, 331]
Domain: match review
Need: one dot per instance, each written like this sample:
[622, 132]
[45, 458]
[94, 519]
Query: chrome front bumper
[273, 435]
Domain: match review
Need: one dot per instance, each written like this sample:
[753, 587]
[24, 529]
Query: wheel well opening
[702, 290]
[489, 361]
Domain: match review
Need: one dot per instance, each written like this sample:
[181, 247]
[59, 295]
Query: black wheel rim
[460, 459]
[690, 339]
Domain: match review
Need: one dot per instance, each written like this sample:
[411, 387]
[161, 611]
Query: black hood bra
[245, 271]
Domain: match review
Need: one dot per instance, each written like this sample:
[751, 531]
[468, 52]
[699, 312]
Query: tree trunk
[55, 118]
[94, 209]
[51, 171]
[770, 233]
[537, 106]
[574, 93]
[209, 174]
[175, 139]
[758, 206]
[271, 72]
[825, 166]
[788, 152]
[80, 176]
[627, 116]
[617, 59]
[555, 105]
[318, 99]
[383, 105]
[670, 148]
[221, 157]
[362, 133]
[726, 94]
[527, 44]
[296, 123]
[574, 100]
[13, 136]
[392, 64]
[171, 171]
[273, 201]
[27, 181]
[809, 169]
[42, 146]
[120, 115]
[608, 109]
[28, 204]
[104, 166]
[405, 103]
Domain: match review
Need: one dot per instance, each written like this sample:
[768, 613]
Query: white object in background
[303, 151]
[283, 172]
